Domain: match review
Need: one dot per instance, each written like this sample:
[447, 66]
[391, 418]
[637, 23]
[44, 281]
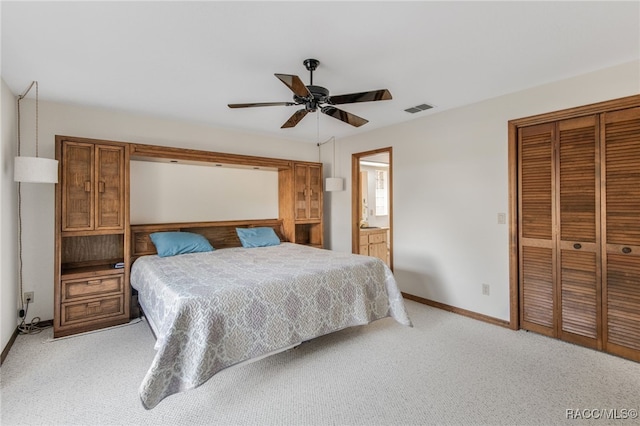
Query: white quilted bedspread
[212, 310]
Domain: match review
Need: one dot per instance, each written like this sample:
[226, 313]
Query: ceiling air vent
[418, 108]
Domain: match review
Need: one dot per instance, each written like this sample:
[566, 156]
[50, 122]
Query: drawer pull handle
[93, 305]
[626, 250]
[577, 246]
[94, 282]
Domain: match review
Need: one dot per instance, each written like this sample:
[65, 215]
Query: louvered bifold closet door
[621, 200]
[579, 229]
[537, 240]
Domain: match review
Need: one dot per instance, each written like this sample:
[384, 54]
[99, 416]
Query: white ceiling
[188, 60]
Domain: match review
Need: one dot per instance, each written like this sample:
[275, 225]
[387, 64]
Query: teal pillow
[172, 243]
[257, 237]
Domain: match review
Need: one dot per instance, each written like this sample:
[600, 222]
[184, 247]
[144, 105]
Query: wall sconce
[333, 184]
[33, 169]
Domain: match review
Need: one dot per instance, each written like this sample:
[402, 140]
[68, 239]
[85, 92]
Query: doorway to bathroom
[372, 204]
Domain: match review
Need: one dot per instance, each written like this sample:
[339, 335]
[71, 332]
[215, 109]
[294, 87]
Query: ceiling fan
[317, 97]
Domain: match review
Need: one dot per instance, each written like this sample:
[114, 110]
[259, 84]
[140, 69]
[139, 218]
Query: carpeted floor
[448, 369]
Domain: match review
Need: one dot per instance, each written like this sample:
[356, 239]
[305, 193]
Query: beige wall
[8, 218]
[163, 192]
[450, 182]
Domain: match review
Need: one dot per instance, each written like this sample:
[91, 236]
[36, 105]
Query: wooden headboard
[220, 234]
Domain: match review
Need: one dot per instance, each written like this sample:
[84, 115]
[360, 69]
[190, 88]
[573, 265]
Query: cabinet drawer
[91, 287]
[377, 238]
[94, 309]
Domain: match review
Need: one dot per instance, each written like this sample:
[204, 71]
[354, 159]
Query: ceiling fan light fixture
[313, 97]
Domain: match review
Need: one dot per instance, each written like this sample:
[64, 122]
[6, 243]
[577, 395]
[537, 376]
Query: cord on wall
[32, 327]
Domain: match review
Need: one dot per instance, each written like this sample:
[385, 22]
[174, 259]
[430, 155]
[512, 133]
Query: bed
[212, 310]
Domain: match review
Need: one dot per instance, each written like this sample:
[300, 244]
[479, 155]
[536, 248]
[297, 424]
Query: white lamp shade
[35, 170]
[333, 184]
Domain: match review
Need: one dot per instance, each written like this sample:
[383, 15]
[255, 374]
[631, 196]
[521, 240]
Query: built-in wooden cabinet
[579, 229]
[92, 235]
[300, 203]
[308, 191]
[92, 232]
[374, 242]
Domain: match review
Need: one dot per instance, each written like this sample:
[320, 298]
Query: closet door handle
[87, 186]
[101, 186]
[626, 250]
[577, 246]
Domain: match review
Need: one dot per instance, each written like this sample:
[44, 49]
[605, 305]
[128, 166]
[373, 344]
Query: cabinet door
[301, 177]
[77, 186]
[537, 221]
[315, 193]
[109, 185]
[621, 270]
[308, 192]
[379, 250]
[579, 226]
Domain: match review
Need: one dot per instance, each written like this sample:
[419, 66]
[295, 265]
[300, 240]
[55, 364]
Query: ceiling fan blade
[260, 104]
[295, 118]
[345, 116]
[294, 83]
[373, 95]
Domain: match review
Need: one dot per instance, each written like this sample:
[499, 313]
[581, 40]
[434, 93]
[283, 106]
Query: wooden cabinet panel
[109, 187]
[92, 310]
[315, 193]
[378, 237]
[301, 191]
[92, 287]
[308, 192]
[77, 181]
[92, 187]
[379, 250]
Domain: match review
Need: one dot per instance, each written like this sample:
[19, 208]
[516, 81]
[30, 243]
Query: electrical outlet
[502, 218]
[486, 289]
[28, 295]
